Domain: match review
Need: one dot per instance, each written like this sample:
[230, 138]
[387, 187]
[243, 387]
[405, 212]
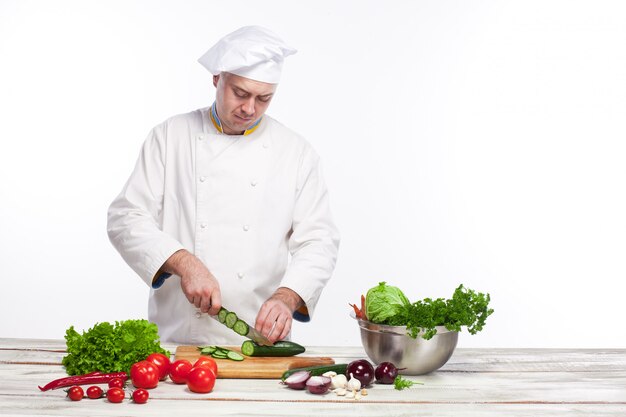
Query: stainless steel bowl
[391, 344]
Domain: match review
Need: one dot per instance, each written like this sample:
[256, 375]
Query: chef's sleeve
[314, 238]
[133, 222]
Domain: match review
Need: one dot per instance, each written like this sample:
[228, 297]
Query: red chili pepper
[90, 378]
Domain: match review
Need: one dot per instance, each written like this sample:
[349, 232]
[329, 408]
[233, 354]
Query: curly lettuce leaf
[110, 348]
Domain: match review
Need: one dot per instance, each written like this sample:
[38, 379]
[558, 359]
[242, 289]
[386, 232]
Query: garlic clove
[330, 374]
[341, 391]
[364, 392]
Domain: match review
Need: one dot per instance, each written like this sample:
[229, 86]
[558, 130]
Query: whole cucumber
[339, 368]
[280, 348]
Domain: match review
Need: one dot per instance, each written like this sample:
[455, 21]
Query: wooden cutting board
[254, 367]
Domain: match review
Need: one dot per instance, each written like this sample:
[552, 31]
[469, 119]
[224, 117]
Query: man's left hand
[276, 314]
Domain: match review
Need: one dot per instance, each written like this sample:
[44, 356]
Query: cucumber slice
[241, 327]
[207, 350]
[232, 355]
[221, 315]
[231, 319]
[218, 352]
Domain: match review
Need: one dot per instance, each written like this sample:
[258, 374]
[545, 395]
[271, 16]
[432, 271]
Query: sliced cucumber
[221, 315]
[218, 352]
[241, 327]
[281, 348]
[232, 355]
[231, 319]
[207, 350]
[339, 368]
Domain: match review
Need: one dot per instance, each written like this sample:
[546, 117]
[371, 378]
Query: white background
[475, 142]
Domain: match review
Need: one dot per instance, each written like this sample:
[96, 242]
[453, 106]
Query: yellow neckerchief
[218, 124]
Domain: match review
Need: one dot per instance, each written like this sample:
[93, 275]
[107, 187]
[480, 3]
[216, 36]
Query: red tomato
[144, 374]
[115, 395]
[140, 396]
[162, 362]
[75, 393]
[94, 392]
[206, 361]
[117, 383]
[179, 371]
[201, 379]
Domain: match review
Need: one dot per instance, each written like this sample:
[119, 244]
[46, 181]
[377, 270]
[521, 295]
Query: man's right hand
[197, 282]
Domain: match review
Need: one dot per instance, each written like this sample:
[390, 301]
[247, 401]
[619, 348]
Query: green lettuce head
[383, 302]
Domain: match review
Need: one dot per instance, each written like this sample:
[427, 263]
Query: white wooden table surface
[485, 382]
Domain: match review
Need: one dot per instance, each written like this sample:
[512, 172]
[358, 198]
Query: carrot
[363, 312]
[357, 312]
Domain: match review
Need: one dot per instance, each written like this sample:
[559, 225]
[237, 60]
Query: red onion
[318, 384]
[362, 370]
[386, 373]
[297, 380]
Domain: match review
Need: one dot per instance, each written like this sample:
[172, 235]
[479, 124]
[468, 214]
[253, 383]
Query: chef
[228, 207]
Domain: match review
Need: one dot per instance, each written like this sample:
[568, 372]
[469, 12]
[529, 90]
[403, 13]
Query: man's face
[240, 101]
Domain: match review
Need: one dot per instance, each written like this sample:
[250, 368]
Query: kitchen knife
[233, 322]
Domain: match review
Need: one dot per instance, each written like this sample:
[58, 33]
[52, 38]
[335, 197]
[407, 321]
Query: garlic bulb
[354, 384]
[339, 381]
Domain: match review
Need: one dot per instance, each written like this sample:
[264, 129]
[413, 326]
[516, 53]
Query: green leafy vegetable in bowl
[467, 308]
[110, 347]
[384, 302]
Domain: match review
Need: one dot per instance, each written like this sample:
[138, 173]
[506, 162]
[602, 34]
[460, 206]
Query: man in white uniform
[219, 199]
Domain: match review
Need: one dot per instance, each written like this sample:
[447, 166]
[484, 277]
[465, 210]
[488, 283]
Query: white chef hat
[251, 52]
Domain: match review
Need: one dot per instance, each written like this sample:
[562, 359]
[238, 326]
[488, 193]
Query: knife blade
[235, 323]
[257, 337]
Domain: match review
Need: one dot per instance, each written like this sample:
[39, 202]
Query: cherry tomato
[179, 371]
[75, 393]
[94, 392]
[117, 383]
[144, 374]
[140, 396]
[162, 363]
[115, 395]
[201, 379]
[206, 361]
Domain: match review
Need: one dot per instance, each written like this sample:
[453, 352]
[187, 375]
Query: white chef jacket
[241, 204]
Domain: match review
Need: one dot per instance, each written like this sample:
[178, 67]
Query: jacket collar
[218, 124]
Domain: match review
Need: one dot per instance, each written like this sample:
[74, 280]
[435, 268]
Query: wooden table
[485, 382]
